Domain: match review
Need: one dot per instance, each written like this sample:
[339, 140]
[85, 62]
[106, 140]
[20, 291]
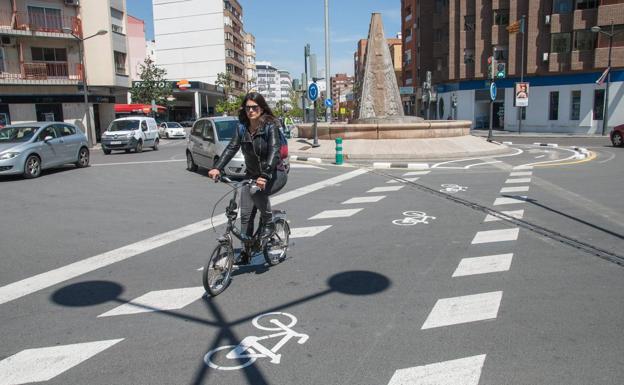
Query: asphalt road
[393, 276]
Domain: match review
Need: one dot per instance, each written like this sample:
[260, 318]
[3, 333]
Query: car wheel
[156, 142]
[139, 146]
[83, 158]
[32, 167]
[106, 151]
[616, 139]
[190, 163]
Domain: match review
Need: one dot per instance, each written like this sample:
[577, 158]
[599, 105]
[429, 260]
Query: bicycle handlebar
[225, 179]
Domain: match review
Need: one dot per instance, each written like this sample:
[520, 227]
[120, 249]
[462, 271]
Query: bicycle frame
[232, 215]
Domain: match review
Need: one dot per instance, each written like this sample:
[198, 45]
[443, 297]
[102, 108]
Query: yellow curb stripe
[592, 156]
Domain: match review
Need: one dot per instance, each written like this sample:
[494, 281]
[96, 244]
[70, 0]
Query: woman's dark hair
[267, 114]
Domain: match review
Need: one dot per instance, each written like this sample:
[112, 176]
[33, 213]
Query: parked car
[28, 148]
[171, 130]
[130, 133]
[187, 123]
[617, 135]
[208, 139]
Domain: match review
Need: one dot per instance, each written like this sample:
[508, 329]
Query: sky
[283, 27]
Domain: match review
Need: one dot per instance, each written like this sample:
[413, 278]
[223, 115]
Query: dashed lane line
[483, 265]
[464, 309]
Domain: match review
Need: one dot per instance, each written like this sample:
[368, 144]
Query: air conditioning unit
[547, 20]
[6, 40]
[545, 56]
[73, 3]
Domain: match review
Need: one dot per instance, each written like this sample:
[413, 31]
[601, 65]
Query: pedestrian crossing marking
[413, 173]
[523, 167]
[514, 189]
[413, 179]
[336, 213]
[366, 199]
[305, 232]
[462, 371]
[521, 173]
[491, 236]
[518, 180]
[172, 299]
[509, 201]
[43, 364]
[518, 214]
[483, 265]
[385, 189]
[464, 309]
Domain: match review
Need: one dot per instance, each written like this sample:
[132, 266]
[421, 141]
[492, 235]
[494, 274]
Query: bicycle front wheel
[276, 246]
[218, 271]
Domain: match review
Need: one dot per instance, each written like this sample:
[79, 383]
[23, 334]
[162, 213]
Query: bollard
[338, 150]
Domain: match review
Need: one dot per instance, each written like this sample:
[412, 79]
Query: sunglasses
[252, 108]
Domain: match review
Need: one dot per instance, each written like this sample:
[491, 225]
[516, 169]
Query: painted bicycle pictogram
[250, 349]
[452, 188]
[413, 218]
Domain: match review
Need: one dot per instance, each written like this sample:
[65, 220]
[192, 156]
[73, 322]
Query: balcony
[21, 23]
[42, 73]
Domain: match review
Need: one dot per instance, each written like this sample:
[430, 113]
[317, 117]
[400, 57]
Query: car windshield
[124, 125]
[173, 125]
[226, 129]
[17, 134]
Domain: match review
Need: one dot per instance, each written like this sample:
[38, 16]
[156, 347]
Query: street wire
[574, 243]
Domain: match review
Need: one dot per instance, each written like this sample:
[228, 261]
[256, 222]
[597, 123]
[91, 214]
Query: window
[575, 107]
[468, 56]
[553, 108]
[65, 130]
[48, 54]
[469, 23]
[562, 6]
[618, 38]
[48, 131]
[584, 40]
[439, 5]
[560, 42]
[587, 4]
[501, 53]
[2, 66]
[117, 18]
[501, 17]
[45, 18]
[120, 62]
[599, 104]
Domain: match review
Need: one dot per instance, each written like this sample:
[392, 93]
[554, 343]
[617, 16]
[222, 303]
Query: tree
[230, 104]
[153, 84]
[295, 99]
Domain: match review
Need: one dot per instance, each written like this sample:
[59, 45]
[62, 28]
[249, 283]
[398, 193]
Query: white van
[130, 133]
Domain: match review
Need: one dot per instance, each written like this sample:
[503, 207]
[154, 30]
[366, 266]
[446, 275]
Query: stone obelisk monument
[379, 94]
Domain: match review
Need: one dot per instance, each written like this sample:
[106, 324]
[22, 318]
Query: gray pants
[250, 203]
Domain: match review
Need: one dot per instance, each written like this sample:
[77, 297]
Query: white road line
[385, 189]
[521, 173]
[462, 371]
[519, 214]
[336, 213]
[414, 173]
[491, 236]
[439, 165]
[413, 179]
[481, 164]
[145, 162]
[464, 309]
[158, 300]
[366, 199]
[301, 165]
[518, 180]
[483, 265]
[514, 189]
[509, 201]
[50, 278]
[540, 156]
[43, 364]
[305, 232]
[523, 167]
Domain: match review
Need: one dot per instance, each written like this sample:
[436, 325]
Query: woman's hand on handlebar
[261, 182]
[214, 174]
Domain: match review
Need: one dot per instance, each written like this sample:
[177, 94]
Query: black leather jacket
[261, 155]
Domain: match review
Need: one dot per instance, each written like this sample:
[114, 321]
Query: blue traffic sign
[313, 92]
[493, 91]
[329, 103]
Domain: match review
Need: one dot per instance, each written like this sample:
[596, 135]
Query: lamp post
[84, 80]
[605, 118]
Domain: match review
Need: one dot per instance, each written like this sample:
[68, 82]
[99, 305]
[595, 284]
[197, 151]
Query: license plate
[116, 142]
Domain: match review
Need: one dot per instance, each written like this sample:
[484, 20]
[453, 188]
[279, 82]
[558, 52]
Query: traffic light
[491, 67]
[501, 70]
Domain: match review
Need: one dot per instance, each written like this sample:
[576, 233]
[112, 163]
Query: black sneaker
[243, 259]
[268, 230]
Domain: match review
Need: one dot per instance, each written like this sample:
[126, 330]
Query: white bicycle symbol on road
[250, 348]
[452, 188]
[413, 218]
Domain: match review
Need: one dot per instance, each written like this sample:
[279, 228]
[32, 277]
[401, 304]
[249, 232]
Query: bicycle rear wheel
[275, 247]
[217, 273]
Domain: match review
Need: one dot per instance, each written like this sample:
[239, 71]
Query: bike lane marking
[53, 277]
[336, 213]
[463, 309]
[483, 265]
[414, 173]
[518, 180]
[510, 201]
[462, 371]
[384, 189]
[306, 232]
[518, 214]
[366, 199]
[492, 236]
[514, 189]
[521, 173]
[171, 299]
[413, 179]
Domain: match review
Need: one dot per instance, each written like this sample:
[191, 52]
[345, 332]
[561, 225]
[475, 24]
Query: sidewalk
[359, 150]
[484, 133]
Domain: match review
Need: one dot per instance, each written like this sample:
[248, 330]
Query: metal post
[306, 52]
[521, 71]
[328, 114]
[314, 129]
[489, 138]
[605, 118]
[86, 93]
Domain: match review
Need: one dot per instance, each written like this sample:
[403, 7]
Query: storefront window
[598, 104]
[553, 110]
[575, 108]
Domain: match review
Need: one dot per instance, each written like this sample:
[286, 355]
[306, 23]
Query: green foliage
[153, 84]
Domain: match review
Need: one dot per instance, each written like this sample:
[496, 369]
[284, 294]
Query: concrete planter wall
[427, 129]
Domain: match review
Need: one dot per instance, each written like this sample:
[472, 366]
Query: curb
[582, 152]
[554, 145]
[412, 166]
[306, 159]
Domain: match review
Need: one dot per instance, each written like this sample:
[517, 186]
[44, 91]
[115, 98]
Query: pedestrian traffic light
[491, 71]
[501, 70]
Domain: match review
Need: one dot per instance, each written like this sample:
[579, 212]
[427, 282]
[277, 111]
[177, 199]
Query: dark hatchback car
[616, 135]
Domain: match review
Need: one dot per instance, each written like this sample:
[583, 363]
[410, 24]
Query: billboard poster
[522, 94]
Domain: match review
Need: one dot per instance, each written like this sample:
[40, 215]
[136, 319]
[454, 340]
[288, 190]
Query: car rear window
[124, 125]
[226, 129]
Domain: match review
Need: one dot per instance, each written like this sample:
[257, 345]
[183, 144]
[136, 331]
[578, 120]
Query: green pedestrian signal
[501, 70]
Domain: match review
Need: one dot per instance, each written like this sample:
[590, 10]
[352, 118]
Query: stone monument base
[387, 130]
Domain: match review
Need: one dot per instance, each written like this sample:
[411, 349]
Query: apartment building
[41, 72]
[342, 93]
[563, 59]
[137, 46]
[251, 74]
[274, 84]
[286, 87]
[195, 41]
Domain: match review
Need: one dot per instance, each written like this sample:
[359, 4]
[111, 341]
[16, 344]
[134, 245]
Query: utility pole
[304, 86]
[522, 29]
[328, 111]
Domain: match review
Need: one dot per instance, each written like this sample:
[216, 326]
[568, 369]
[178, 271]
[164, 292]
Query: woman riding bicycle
[260, 143]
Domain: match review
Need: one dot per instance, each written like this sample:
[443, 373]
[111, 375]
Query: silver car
[208, 139]
[28, 148]
[171, 130]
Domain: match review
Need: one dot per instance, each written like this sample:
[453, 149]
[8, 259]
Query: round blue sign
[329, 103]
[493, 91]
[313, 92]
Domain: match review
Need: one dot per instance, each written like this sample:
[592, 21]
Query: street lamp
[605, 118]
[84, 80]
